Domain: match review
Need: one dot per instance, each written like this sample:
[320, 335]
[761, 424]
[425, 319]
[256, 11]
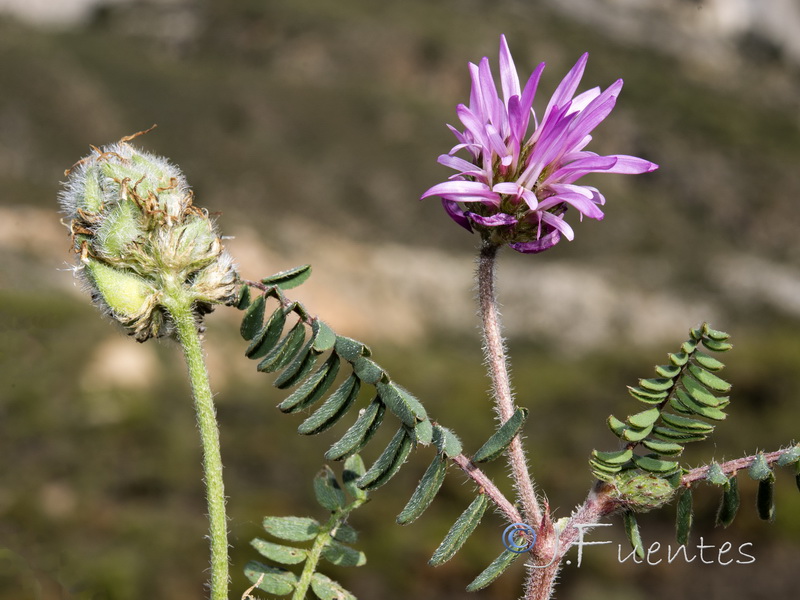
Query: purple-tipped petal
[509, 161]
[462, 191]
[566, 89]
[509, 79]
[631, 165]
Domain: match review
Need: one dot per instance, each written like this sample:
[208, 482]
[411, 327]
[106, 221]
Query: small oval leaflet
[313, 388]
[327, 490]
[500, 440]
[286, 555]
[368, 371]
[353, 471]
[253, 317]
[269, 335]
[460, 531]
[765, 498]
[327, 589]
[333, 409]
[359, 433]
[729, 504]
[286, 349]
[388, 463]
[425, 492]
[632, 532]
[446, 441]
[289, 278]
[493, 571]
[683, 518]
[303, 362]
[293, 529]
[274, 581]
[342, 555]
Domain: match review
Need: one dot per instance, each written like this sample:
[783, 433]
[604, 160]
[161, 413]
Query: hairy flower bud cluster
[141, 241]
[642, 491]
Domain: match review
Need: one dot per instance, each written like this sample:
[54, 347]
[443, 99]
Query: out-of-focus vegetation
[335, 112]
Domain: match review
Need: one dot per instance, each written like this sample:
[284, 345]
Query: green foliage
[460, 531]
[295, 354]
[500, 440]
[329, 540]
[679, 404]
[494, 570]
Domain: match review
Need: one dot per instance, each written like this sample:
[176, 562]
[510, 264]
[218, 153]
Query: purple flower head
[514, 187]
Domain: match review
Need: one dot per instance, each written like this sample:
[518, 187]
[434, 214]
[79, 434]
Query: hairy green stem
[494, 349]
[181, 311]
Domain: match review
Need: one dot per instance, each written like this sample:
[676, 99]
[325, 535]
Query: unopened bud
[141, 240]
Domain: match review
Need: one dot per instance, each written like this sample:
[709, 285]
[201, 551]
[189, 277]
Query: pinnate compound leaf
[327, 490]
[326, 588]
[389, 462]
[343, 556]
[253, 317]
[460, 531]
[290, 278]
[425, 492]
[500, 440]
[285, 555]
[293, 529]
[494, 570]
[274, 581]
[360, 432]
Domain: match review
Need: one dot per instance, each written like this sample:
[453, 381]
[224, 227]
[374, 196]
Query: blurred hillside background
[312, 127]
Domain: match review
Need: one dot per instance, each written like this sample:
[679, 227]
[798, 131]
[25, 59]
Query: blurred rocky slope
[313, 127]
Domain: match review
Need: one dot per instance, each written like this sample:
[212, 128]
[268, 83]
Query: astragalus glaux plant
[153, 261]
